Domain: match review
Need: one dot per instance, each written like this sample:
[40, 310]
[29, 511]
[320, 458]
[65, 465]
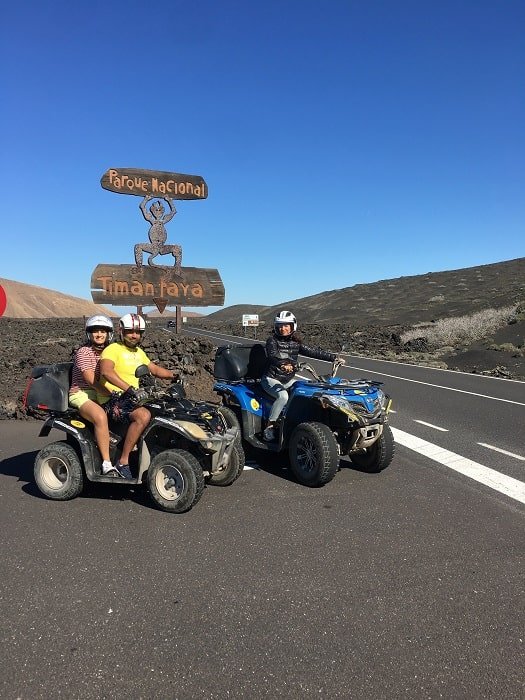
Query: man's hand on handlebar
[136, 395]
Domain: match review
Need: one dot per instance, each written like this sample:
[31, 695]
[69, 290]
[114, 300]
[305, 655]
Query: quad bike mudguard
[78, 432]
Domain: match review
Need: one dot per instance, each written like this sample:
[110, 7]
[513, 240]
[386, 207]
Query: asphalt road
[407, 584]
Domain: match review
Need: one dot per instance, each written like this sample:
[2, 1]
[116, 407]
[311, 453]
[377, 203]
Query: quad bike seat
[238, 363]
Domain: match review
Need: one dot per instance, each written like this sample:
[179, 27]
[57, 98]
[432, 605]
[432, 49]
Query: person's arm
[88, 373]
[161, 372]
[317, 353]
[107, 372]
[87, 367]
[96, 384]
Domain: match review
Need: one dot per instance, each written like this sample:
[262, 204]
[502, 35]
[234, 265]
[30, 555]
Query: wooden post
[178, 319]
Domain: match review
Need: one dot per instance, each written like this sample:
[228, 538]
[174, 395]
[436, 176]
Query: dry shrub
[462, 329]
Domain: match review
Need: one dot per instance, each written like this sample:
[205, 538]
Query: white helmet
[99, 321]
[285, 317]
[132, 322]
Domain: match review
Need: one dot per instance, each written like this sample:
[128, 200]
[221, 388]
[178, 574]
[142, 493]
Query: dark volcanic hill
[403, 300]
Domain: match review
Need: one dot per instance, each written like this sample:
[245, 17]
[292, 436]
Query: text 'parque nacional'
[154, 183]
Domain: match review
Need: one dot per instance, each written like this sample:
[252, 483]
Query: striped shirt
[86, 358]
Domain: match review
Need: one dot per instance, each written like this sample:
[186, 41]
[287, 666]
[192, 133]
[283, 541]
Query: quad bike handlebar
[338, 362]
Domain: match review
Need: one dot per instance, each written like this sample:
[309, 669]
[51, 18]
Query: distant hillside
[171, 313]
[404, 300]
[399, 301]
[30, 301]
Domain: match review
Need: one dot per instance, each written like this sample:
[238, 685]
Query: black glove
[136, 396]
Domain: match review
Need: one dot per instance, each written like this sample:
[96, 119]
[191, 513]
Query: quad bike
[324, 419]
[185, 445]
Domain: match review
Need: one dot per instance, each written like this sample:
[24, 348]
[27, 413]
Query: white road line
[417, 381]
[436, 427]
[503, 452]
[436, 386]
[484, 475]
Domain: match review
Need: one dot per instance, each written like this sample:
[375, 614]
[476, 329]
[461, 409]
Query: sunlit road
[479, 418]
[404, 584]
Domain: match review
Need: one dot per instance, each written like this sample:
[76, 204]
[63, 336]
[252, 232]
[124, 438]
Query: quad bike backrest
[48, 388]
[238, 362]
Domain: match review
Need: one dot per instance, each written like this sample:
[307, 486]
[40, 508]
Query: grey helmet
[99, 321]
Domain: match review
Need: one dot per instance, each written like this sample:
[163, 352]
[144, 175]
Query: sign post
[154, 284]
[250, 320]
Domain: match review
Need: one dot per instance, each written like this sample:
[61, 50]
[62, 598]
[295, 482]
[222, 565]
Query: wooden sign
[130, 285]
[156, 183]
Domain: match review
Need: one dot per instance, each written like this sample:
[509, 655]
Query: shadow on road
[278, 464]
[20, 465]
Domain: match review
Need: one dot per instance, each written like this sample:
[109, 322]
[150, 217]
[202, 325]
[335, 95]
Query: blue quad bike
[325, 418]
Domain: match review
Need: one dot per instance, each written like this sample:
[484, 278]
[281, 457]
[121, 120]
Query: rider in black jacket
[282, 350]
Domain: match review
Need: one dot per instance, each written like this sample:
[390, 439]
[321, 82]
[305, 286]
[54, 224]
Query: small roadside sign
[250, 320]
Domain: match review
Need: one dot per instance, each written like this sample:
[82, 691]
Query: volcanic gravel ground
[26, 343]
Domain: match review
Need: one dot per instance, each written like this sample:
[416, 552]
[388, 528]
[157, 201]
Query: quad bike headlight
[340, 403]
[385, 401]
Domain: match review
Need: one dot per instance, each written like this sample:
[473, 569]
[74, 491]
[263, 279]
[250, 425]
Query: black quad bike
[185, 445]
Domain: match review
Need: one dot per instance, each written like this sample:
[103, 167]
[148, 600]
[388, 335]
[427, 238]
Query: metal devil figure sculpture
[156, 284]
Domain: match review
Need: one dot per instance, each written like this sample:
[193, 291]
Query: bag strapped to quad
[48, 388]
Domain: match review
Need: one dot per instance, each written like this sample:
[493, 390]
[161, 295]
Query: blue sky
[342, 142]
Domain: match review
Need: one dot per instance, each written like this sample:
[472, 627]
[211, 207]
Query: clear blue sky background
[342, 142]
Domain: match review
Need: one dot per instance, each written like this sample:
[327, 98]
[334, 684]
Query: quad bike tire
[378, 456]
[175, 480]
[231, 419]
[58, 472]
[233, 470]
[314, 455]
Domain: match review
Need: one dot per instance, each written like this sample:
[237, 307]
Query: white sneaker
[269, 434]
[107, 467]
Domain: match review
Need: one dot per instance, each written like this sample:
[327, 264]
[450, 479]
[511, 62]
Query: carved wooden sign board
[159, 285]
[156, 183]
[128, 285]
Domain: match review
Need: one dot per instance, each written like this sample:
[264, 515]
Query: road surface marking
[484, 475]
[503, 452]
[436, 427]
[437, 386]
[417, 381]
